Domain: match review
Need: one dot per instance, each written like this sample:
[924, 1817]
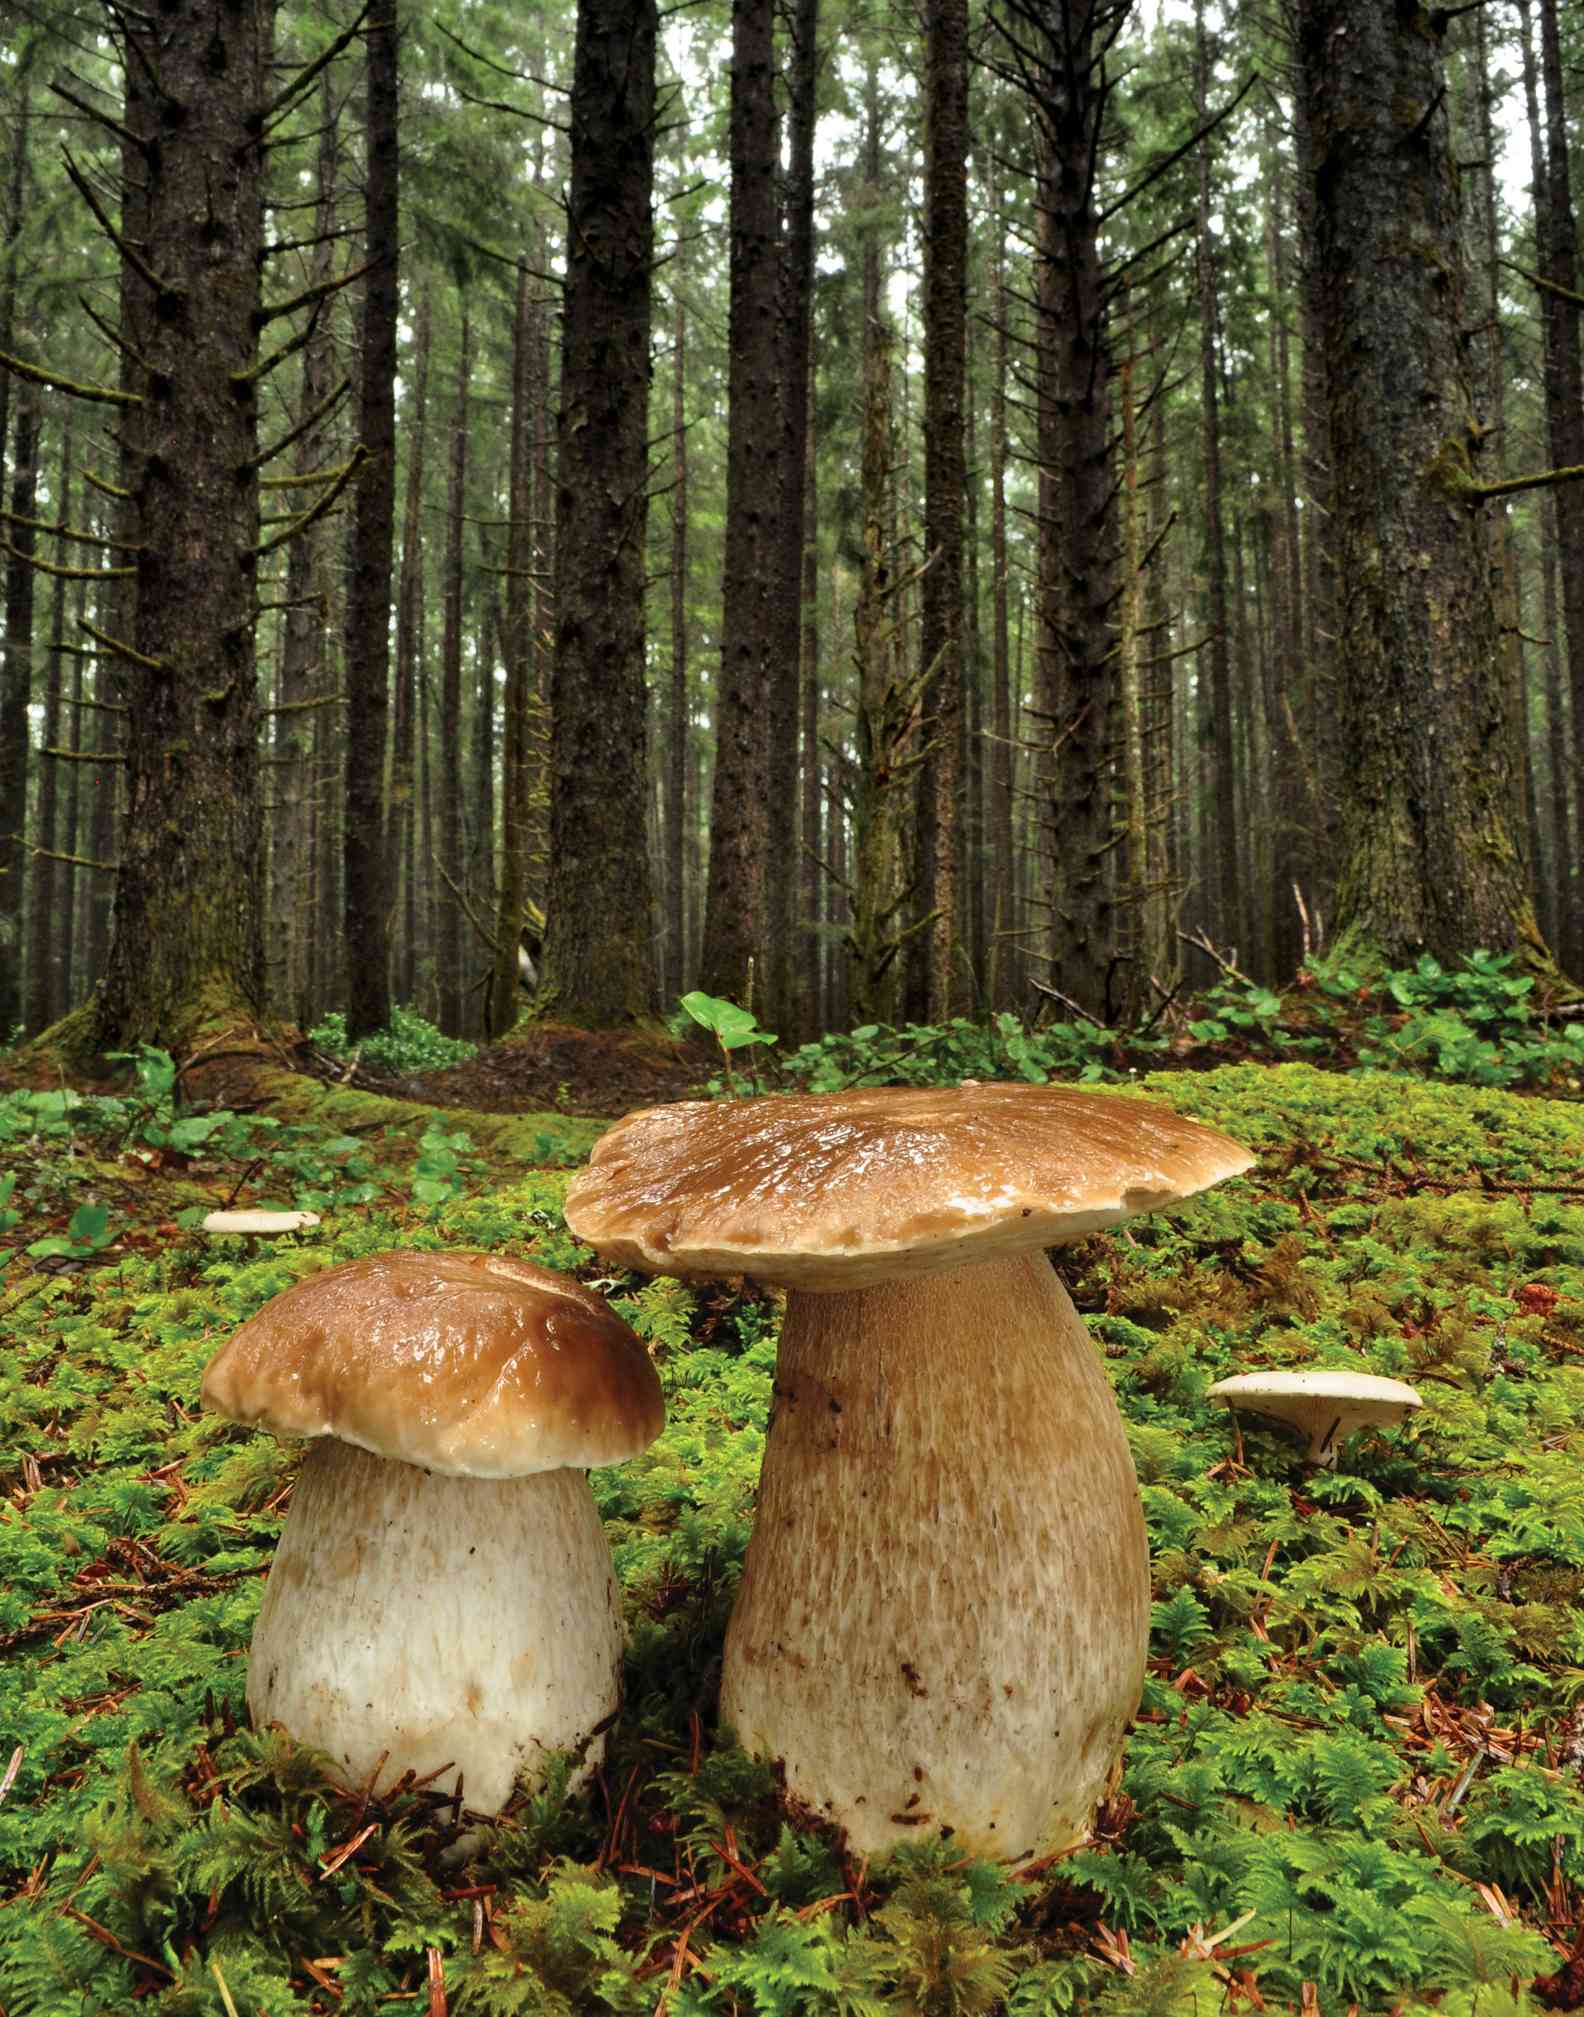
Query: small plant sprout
[442, 1596]
[1322, 1406]
[945, 1609]
[733, 1028]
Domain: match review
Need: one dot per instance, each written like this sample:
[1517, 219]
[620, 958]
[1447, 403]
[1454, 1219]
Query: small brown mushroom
[944, 1614]
[442, 1592]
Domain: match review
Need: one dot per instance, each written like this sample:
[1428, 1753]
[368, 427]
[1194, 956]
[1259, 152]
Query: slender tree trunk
[1003, 879]
[734, 916]
[1433, 857]
[189, 925]
[812, 996]
[786, 942]
[367, 865]
[1077, 533]
[301, 679]
[599, 962]
[1564, 386]
[1222, 878]
[677, 765]
[945, 479]
[517, 640]
[414, 864]
[49, 920]
[452, 941]
[16, 692]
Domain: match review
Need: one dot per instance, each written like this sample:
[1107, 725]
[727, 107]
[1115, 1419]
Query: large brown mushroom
[442, 1594]
[945, 1608]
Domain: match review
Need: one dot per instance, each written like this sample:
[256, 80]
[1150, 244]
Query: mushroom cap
[1316, 1396]
[472, 1365]
[259, 1222]
[846, 1190]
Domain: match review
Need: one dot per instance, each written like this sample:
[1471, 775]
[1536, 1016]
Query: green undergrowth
[1355, 1778]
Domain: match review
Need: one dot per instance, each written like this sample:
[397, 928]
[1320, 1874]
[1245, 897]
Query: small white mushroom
[260, 1224]
[944, 1614]
[1323, 1406]
[443, 1591]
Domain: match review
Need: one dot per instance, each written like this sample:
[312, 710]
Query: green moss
[1333, 1656]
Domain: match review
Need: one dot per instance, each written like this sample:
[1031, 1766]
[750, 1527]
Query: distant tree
[1432, 857]
[599, 956]
[945, 485]
[367, 881]
[734, 917]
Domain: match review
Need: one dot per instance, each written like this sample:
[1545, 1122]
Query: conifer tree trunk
[302, 649]
[1433, 854]
[1222, 876]
[517, 643]
[1564, 389]
[599, 962]
[945, 479]
[16, 691]
[451, 941]
[1077, 535]
[734, 916]
[788, 946]
[677, 766]
[367, 887]
[49, 921]
[1003, 881]
[410, 628]
[188, 929]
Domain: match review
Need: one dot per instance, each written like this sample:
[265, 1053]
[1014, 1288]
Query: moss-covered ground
[1356, 1779]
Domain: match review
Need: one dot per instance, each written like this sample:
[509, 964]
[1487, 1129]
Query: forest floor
[1356, 1779]
[555, 1068]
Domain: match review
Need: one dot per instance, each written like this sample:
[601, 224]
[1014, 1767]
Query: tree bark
[366, 894]
[734, 915]
[1432, 858]
[16, 693]
[599, 962]
[679, 726]
[940, 895]
[412, 861]
[49, 921]
[450, 939]
[789, 945]
[517, 640]
[188, 927]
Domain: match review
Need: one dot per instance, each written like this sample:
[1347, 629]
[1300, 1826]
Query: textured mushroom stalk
[443, 1621]
[945, 1610]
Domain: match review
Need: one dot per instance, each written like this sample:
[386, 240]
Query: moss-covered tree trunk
[1431, 856]
[190, 893]
[599, 959]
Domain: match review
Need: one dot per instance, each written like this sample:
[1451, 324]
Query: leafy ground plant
[1354, 1781]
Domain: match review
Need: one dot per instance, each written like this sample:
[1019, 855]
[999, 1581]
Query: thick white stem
[471, 1623]
[945, 1611]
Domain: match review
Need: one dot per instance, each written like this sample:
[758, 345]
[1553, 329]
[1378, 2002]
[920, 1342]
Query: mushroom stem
[945, 1610]
[443, 1621]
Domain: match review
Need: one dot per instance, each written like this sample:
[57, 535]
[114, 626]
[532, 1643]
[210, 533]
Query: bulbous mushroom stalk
[945, 1609]
[946, 1602]
[442, 1594]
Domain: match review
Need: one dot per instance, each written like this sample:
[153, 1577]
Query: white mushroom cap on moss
[1322, 1405]
[443, 1591]
[260, 1224]
[945, 1609]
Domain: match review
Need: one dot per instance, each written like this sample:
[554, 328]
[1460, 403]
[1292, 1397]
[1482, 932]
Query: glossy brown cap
[844, 1190]
[473, 1365]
